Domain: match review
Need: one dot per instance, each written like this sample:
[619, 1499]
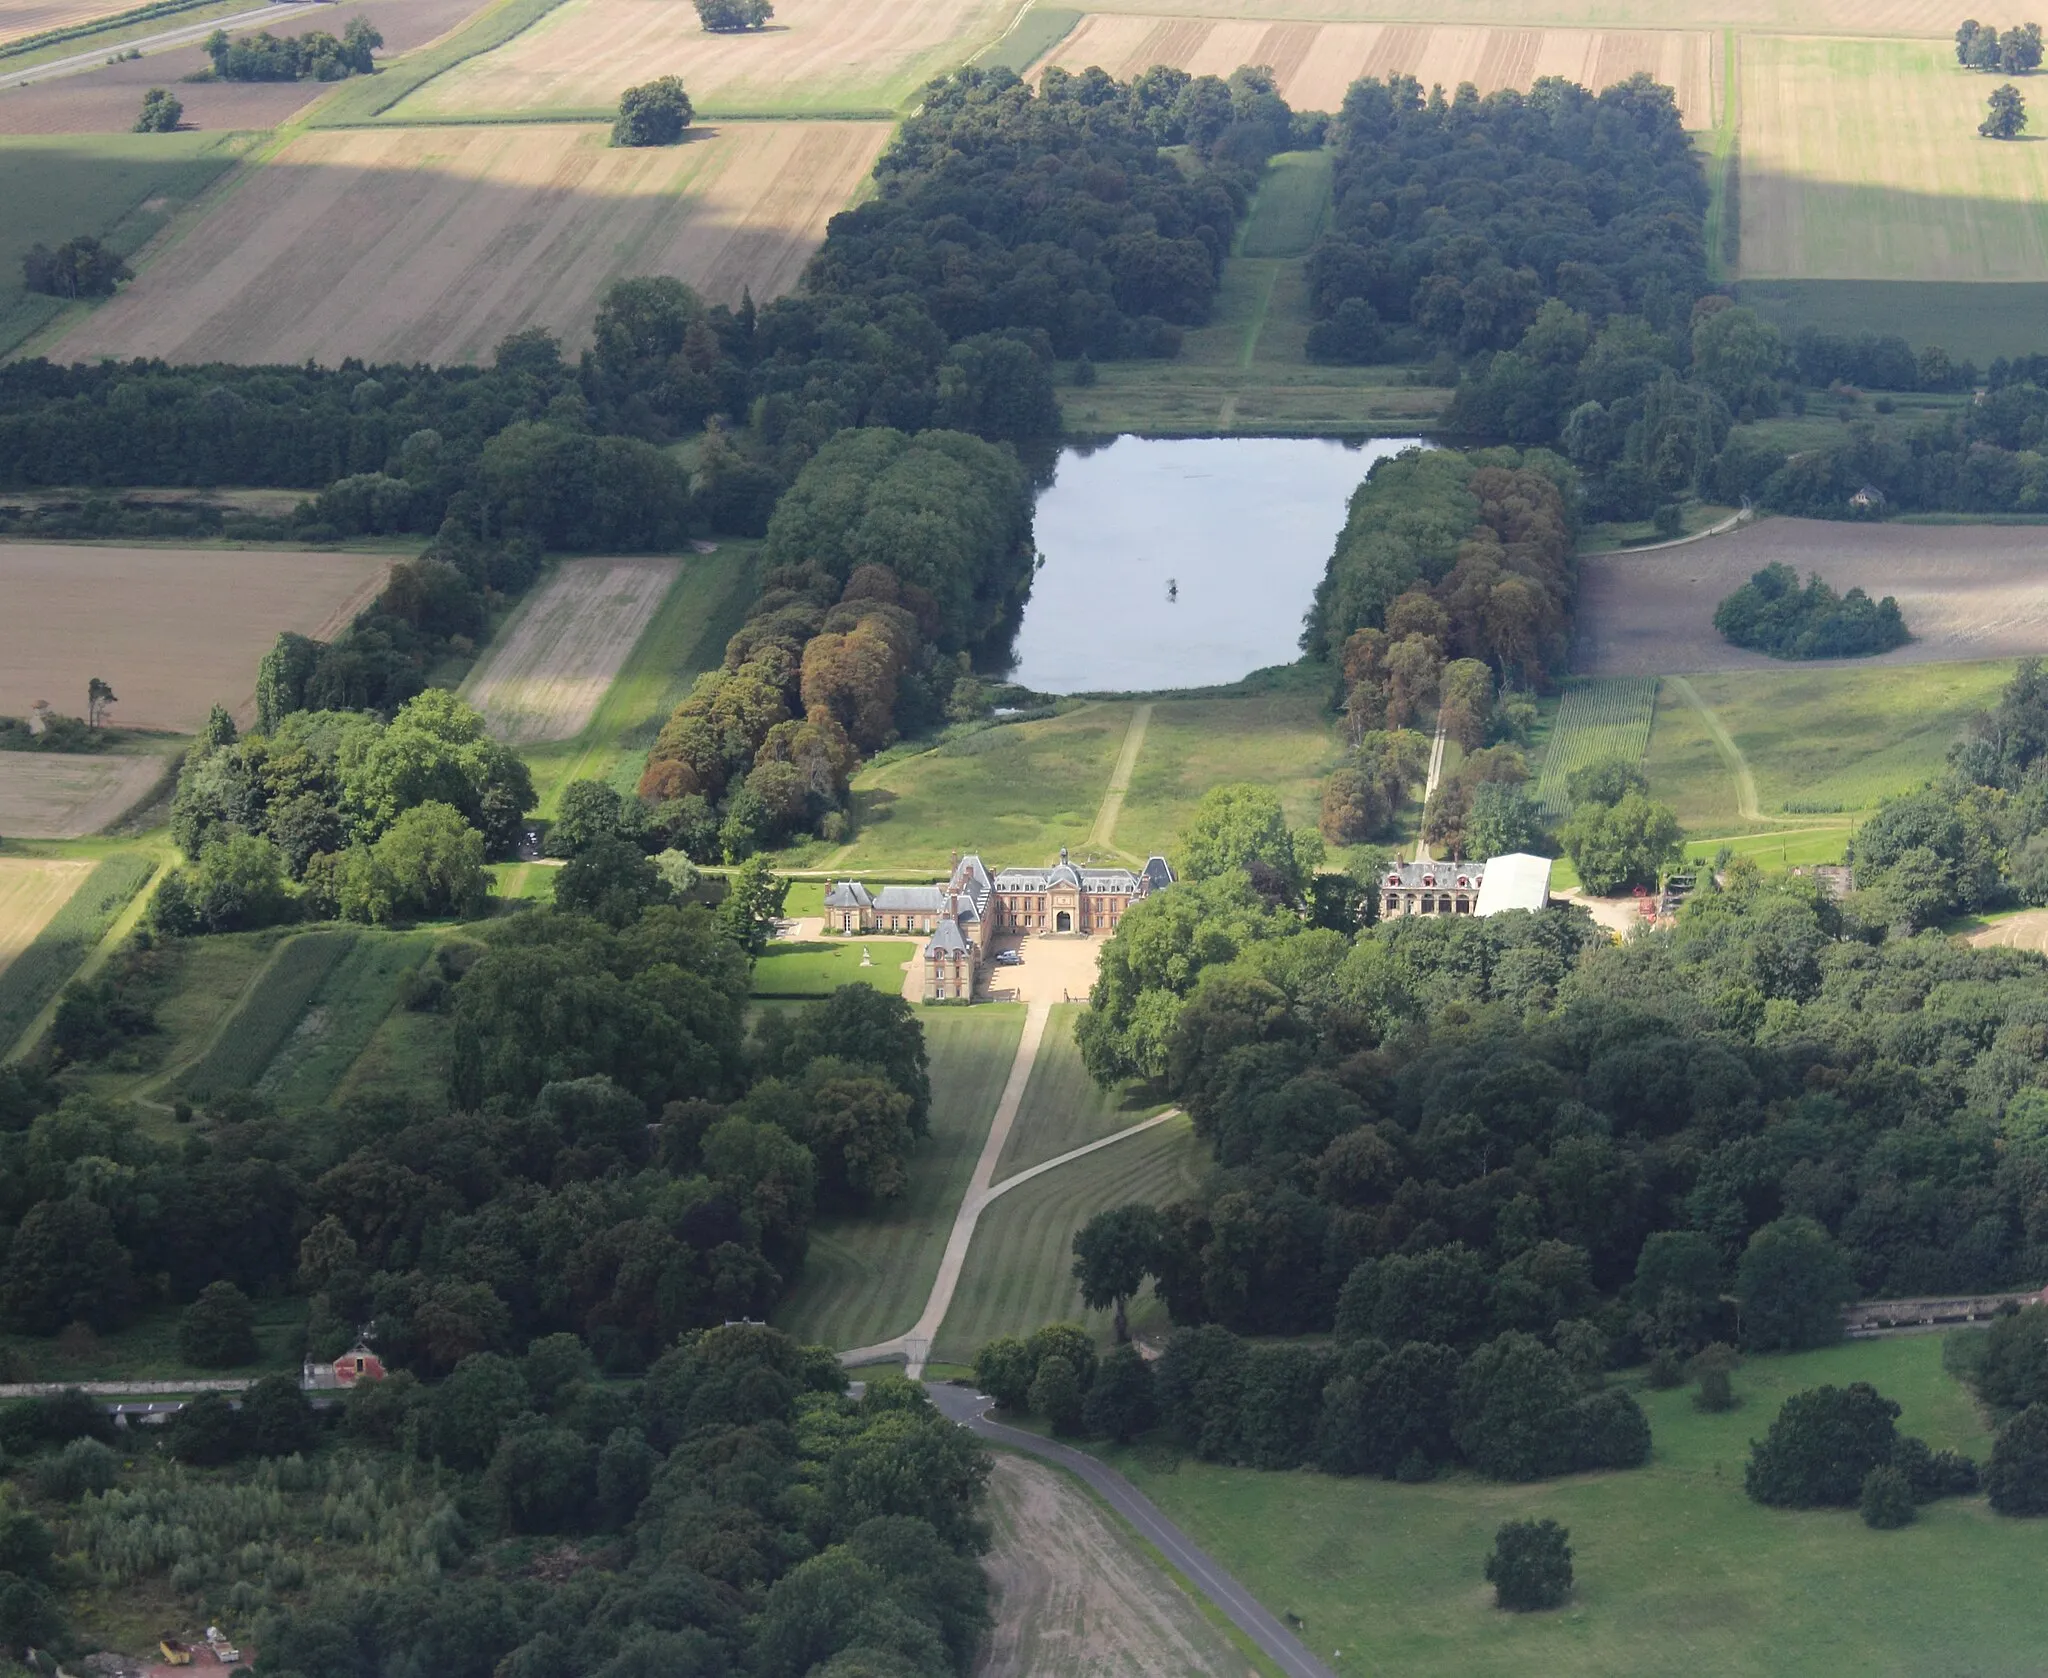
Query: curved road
[970, 1410]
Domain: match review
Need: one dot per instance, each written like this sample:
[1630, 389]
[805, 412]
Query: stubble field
[174, 631]
[54, 795]
[1861, 160]
[434, 244]
[31, 893]
[545, 678]
[1315, 62]
[33, 17]
[818, 56]
[1929, 19]
[1967, 592]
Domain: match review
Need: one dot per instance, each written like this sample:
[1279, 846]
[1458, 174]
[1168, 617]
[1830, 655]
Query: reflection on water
[1182, 562]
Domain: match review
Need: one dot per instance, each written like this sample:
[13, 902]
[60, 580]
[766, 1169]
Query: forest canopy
[1772, 614]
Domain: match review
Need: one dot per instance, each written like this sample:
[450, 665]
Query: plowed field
[1316, 62]
[817, 56]
[434, 244]
[173, 631]
[30, 894]
[53, 795]
[546, 678]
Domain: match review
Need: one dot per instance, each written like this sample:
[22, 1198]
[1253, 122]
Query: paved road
[969, 1409]
[182, 36]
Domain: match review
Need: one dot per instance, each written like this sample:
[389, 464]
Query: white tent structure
[1514, 881]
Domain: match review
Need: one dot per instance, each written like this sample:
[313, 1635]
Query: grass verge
[39, 972]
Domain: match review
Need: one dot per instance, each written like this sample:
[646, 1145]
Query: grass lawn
[820, 969]
[121, 188]
[1782, 848]
[147, 1349]
[683, 639]
[1015, 794]
[1063, 1107]
[351, 1003]
[1020, 1270]
[1676, 1570]
[867, 1278]
[1286, 741]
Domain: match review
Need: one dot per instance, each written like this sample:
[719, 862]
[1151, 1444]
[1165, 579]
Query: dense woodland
[1773, 614]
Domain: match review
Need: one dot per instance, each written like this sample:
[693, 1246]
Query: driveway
[1053, 969]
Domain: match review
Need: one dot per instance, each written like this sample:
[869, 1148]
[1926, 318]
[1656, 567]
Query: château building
[1515, 880]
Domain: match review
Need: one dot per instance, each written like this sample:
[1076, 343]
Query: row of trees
[2016, 52]
[314, 56]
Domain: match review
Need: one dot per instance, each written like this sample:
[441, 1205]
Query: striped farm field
[65, 795]
[1608, 717]
[341, 1016]
[270, 1009]
[1861, 161]
[819, 57]
[34, 973]
[31, 893]
[1927, 19]
[866, 1278]
[1020, 1269]
[435, 244]
[1315, 62]
[551, 668]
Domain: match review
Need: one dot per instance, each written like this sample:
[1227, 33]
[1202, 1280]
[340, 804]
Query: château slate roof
[847, 894]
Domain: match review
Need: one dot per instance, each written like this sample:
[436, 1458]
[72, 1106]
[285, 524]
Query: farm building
[1513, 881]
[358, 1363]
[971, 908]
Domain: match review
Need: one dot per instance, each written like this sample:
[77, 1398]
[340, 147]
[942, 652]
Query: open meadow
[62, 795]
[549, 670]
[174, 631]
[31, 893]
[866, 1278]
[434, 244]
[1967, 591]
[1314, 63]
[1676, 1571]
[817, 58]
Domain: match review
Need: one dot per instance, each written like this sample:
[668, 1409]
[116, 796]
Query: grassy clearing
[1615, 537]
[271, 1009]
[1839, 740]
[1779, 849]
[1291, 206]
[1019, 1272]
[409, 1056]
[1029, 39]
[1686, 770]
[685, 637]
[34, 977]
[341, 1017]
[1676, 1570]
[820, 969]
[1018, 792]
[1286, 741]
[1981, 320]
[122, 188]
[867, 1278]
[147, 1349]
[1605, 718]
[1063, 1107]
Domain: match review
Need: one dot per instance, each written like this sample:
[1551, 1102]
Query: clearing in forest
[546, 675]
[1861, 160]
[174, 631]
[1315, 63]
[818, 57]
[31, 893]
[434, 244]
[1075, 1592]
[1967, 591]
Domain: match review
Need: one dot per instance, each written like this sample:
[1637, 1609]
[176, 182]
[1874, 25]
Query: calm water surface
[1182, 562]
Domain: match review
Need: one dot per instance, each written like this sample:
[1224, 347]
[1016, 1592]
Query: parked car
[1009, 958]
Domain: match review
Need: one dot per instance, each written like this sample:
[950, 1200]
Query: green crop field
[1063, 1107]
[1676, 1570]
[410, 1055]
[1287, 741]
[867, 1278]
[341, 1016]
[1015, 793]
[1020, 1270]
[121, 188]
[1599, 718]
[358, 100]
[683, 639]
[271, 1009]
[820, 969]
[1029, 39]
[32, 978]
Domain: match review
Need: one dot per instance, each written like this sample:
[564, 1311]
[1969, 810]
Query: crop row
[1599, 719]
[273, 1009]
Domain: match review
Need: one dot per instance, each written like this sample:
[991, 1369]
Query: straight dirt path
[1436, 771]
[970, 1410]
[1103, 834]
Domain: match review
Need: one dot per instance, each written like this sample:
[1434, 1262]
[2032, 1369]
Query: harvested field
[1924, 18]
[1861, 160]
[434, 244]
[1316, 62]
[31, 893]
[545, 678]
[104, 100]
[51, 795]
[1968, 592]
[817, 57]
[1076, 1596]
[33, 17]
[173, 630]
[2028, 930]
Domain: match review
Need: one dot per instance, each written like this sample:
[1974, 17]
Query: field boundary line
[1072, 1154]
[1724, 743]
[1103, 833]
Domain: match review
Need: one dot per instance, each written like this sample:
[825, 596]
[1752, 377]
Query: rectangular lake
[1183, 562]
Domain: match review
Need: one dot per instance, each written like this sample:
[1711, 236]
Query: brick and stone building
[1512, 881]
